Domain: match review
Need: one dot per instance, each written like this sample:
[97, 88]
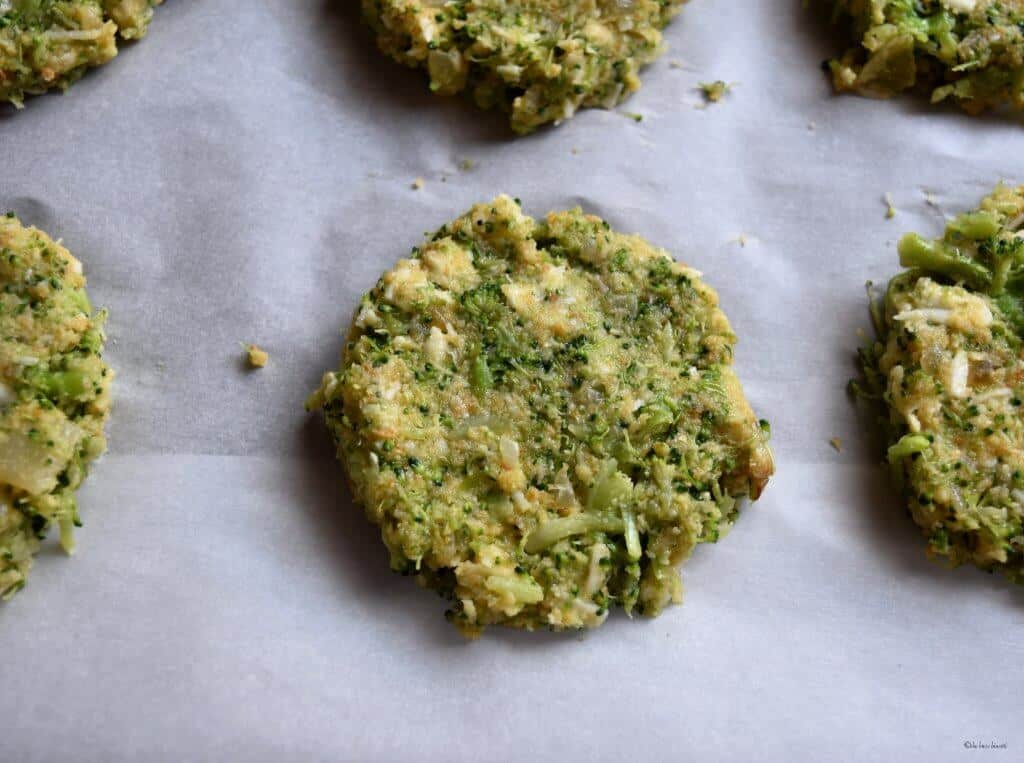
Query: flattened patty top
[54, 393]
[47, 44]
[540, 59]
[543, 418]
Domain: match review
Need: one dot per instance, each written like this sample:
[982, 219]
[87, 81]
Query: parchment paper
[244, 174]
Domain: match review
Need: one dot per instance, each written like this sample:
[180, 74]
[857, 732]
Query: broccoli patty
[543, 418]
[949, 366]
[540, 59]
[47, 44]
[54, 394]
[971, 51]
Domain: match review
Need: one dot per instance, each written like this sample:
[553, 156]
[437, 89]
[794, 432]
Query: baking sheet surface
[244, 174]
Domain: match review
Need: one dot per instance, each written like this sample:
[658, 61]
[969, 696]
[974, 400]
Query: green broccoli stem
[936, 257]
[976, 226]
[908, 445]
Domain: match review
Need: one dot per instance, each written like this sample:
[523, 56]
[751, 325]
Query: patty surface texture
[970, 51]
[543, 419]
[541, 60]
[949, 367]
[54, 394]
[47, 44]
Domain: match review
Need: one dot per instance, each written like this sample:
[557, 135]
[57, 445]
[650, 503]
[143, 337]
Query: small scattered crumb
[812, 126]
[741, 239]
[930, 200]
[417, 184]
[837, 444]
[466, 165]
[675, 63]
[633, 115]
[715, 91]
[574, 151]
[257, 358]
[890, 209]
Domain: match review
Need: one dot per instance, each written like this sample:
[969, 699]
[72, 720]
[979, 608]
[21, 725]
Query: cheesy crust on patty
[949, 366]
[48, 44]
[54, 394]
[543, 418]
[542, 60]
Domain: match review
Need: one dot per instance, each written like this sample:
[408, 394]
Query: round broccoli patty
[949, 366]
[54, 394]
[543, 418]
[47, 44]
[540, 59]
[971, 51]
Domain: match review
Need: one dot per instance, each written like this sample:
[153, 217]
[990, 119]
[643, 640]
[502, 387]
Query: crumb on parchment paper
[714, 92]
[257, 358]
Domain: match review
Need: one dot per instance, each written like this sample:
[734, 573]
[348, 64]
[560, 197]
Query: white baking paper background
[243, 175]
